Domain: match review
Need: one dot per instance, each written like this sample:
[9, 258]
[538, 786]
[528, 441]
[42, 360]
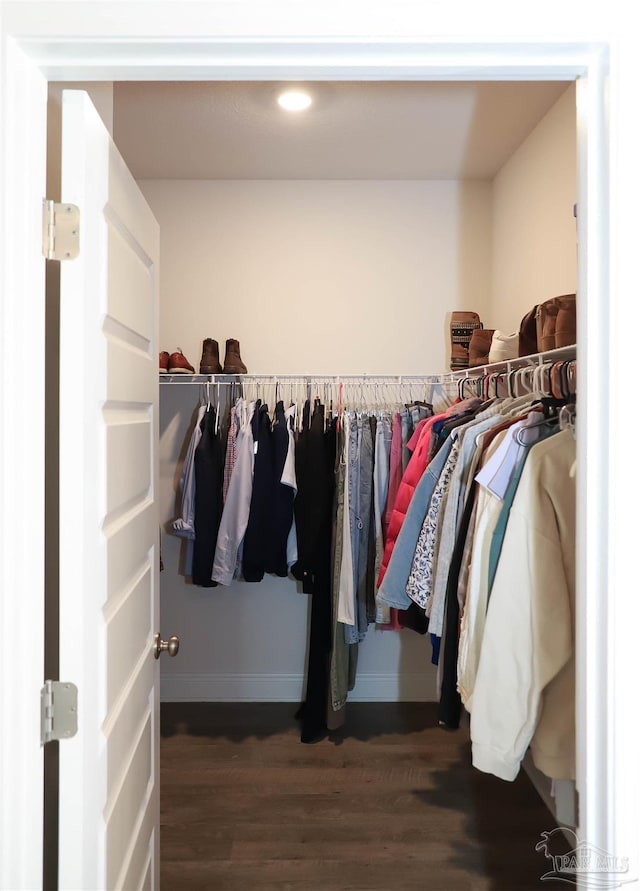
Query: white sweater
[525, 687]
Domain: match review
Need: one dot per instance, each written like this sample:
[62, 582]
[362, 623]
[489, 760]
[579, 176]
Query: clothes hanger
[217, 424]
[563, 382]
[327, 411]
[543, 422]
[304, 398]
[567, 417]
[572, 374]
[544, 378]
[527, 379]
[568, 374]
[555, 382]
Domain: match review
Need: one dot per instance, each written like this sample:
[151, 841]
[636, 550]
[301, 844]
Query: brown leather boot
[233, 364]
[210, 362]
[479, 346]
[546, 316]
[565, 333]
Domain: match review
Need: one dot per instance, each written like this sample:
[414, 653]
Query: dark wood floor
[391, 804]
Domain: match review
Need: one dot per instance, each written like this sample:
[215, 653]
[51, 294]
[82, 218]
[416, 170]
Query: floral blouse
[420, 582]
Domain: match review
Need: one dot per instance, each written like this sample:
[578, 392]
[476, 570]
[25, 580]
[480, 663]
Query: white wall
[321, 277]
[534, 231]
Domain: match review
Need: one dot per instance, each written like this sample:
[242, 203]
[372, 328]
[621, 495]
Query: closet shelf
[558, 355]
[563, 353]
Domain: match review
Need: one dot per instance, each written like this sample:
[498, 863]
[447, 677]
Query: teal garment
[497, 538]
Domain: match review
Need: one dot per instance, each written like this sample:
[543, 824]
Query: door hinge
[60, 231]
[58, 711]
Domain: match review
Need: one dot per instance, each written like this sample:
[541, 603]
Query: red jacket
[410, 479]
[412, 476]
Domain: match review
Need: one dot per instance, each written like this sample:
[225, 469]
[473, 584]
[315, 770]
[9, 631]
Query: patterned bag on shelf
[463, 324]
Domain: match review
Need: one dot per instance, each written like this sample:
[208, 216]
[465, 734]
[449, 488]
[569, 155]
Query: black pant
[314, 513]
[282, 497]
[257, 536]
[208, 465]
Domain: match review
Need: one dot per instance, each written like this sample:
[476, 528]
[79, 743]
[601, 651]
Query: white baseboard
[290, 688]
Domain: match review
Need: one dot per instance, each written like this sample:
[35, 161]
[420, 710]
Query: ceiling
[353, 130]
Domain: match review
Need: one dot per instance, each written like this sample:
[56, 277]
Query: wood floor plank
[390, 804]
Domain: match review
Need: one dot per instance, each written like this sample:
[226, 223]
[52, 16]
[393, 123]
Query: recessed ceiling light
[294, 100]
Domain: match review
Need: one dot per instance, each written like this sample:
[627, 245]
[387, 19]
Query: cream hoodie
[525, 687]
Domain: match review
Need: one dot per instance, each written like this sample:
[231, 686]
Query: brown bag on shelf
[527, 336]
[463, 324]
[479, 347]
[550, 334]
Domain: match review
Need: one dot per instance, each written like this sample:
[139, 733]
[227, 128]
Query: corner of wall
[534, 234]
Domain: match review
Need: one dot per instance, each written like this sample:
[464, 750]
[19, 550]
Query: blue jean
[364, 579]
[381, 481]
[344, 658]
[360, 505]
[407, 430]
[353, 457]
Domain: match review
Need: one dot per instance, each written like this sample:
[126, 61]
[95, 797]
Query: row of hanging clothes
[365, 491]
[304, 493]
[483, 540]
[251, 462]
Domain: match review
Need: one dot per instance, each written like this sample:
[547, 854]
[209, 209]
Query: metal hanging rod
[229, 379]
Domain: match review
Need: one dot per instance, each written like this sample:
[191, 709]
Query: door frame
[35, 50]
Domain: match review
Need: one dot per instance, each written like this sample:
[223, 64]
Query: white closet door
[109, 795]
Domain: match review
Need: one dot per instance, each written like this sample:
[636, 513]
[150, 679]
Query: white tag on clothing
[497, 472]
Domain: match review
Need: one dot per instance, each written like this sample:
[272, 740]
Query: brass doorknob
[170, 646]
